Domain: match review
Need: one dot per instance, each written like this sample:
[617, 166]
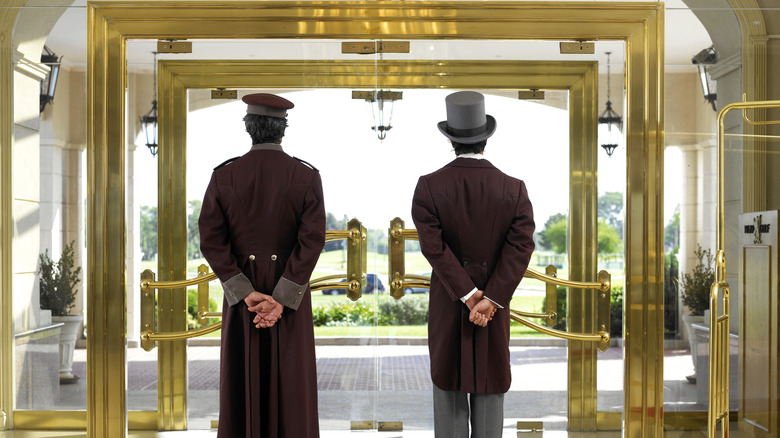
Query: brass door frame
[639, 24]
[580, 78]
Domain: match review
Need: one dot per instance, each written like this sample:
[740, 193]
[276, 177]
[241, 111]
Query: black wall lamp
[702, 59]
[49, 83]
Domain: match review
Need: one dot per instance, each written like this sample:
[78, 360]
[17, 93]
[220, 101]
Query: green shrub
[58, 281]
[192, 309]
[407, 311]
[616, 311]
[560, 323]
[696, 284]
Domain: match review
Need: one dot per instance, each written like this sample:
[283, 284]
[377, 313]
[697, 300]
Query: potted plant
[58, 281]
[696, 297]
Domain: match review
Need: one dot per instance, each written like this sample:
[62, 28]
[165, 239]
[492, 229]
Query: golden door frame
[640, 25]
[175, 78]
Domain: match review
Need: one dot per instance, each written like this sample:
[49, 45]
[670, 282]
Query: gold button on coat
[251, 257]
[273, 257]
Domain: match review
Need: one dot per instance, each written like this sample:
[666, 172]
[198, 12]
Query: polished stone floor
[391, 383]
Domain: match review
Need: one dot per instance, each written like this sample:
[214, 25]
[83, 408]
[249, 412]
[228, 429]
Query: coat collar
[267, 147]
[468, 162]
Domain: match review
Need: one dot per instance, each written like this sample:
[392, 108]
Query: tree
[193, 233]
[608, 238]
[610, 208]
[379, 237]
[672, 232]
[555, 235]
[332, 223]
[148, 232]
[544, 241]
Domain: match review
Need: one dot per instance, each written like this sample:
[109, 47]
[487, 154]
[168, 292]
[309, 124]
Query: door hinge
[530, 95]
[174, 46]
[221, 93]
[370, 47]
[578, 48]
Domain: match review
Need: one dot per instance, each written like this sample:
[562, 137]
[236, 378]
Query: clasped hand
[267, 310]
[482, 309]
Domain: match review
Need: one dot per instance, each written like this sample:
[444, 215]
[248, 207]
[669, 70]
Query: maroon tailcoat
[476, 227]
[262, 227]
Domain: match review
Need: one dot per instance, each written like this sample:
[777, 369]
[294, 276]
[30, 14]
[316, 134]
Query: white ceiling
[685, 36]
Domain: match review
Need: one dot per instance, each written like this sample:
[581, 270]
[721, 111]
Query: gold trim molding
[8, 15]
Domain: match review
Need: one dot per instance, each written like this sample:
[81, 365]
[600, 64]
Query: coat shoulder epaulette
[226, 162]
[306, 163]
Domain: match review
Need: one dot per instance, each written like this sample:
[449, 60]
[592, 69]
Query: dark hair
[265, 129]
[473, 148]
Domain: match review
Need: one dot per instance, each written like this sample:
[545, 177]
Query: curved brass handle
[551, 316]
[601, 285]
[201, 278]
[601, 337]
[175, 336]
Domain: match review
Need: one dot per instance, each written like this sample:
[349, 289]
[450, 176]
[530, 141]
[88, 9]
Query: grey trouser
[453, 409]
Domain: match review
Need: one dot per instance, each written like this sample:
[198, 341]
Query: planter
[689, 320]
[68, 336]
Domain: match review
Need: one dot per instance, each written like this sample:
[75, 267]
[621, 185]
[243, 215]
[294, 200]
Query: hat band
[468, 132]
[261, 110]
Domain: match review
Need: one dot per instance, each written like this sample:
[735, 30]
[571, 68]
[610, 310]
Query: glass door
[371, 353]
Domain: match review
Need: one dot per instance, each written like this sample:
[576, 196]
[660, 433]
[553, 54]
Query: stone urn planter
[58, 281]
[696, 297]
[689, 321]
[69, 334]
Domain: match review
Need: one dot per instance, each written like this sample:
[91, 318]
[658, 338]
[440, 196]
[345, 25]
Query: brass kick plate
[370, 47]
[578, 47]
[390, 426]
[224, 94]
[530, 95]
[529, 426]
[174, 46]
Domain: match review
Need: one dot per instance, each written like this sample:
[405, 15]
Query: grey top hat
[466, 121]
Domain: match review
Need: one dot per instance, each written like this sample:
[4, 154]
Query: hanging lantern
[610, 123]
[149, 120]
[381, 103]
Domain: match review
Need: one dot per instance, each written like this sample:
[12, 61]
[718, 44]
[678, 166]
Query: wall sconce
[610, 122]
[49, 83]
[378, 101]
[149, 120]
[702, 59]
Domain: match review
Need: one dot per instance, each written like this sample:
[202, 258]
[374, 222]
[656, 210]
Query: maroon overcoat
[262, 227]
[476, 227]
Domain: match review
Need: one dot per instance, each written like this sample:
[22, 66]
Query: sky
[374, 180]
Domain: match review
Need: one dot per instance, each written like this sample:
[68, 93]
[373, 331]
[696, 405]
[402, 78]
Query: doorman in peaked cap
[262, 227]
[475, 226]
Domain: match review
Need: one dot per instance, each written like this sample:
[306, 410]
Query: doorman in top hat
[476, 226]
[262, 227]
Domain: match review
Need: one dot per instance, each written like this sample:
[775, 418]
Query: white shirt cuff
[498, 306]
[468, 295]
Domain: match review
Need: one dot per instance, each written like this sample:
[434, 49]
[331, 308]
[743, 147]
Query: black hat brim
[491, 128]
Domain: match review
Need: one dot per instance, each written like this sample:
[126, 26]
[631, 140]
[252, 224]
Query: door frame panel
[110, 24]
